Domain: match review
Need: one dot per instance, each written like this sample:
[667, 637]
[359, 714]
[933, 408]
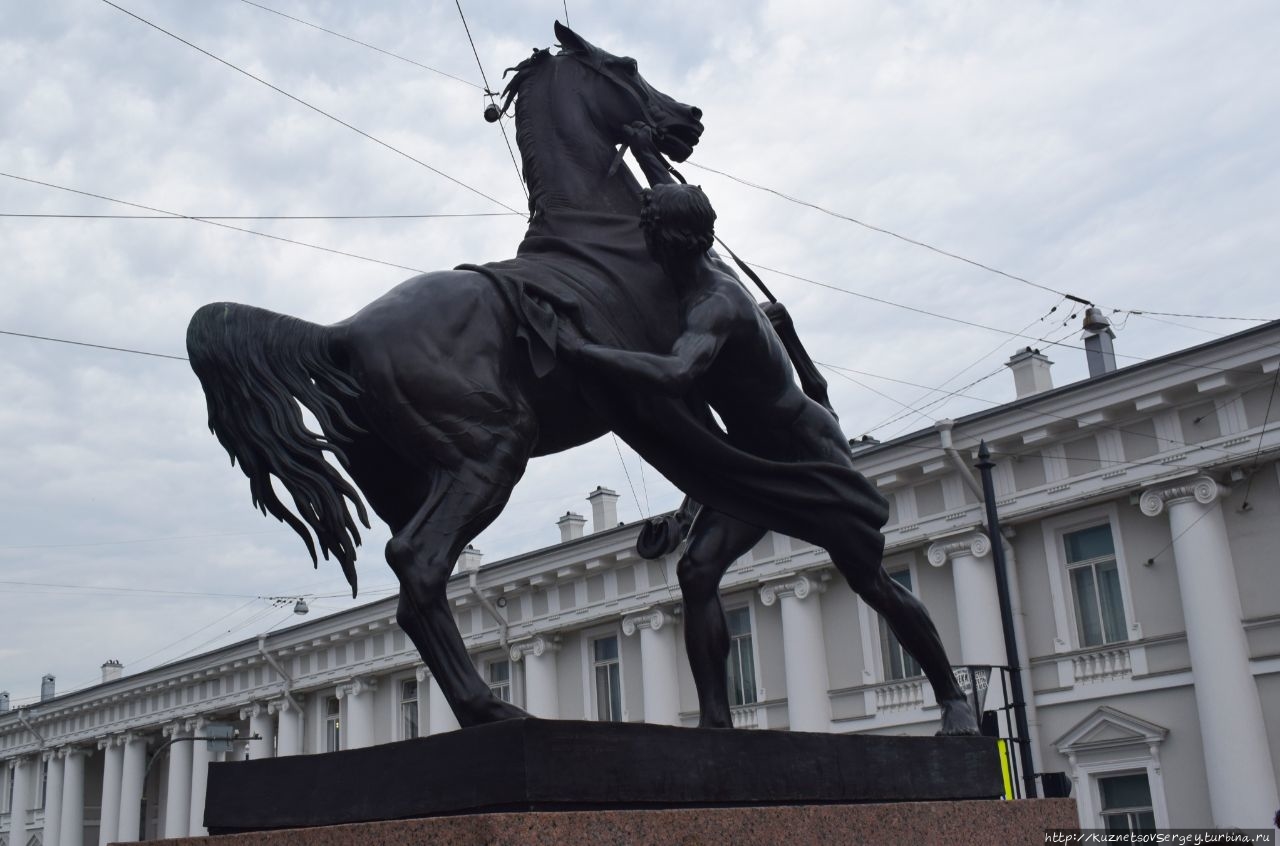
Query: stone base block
[553, 765]
[980, 822]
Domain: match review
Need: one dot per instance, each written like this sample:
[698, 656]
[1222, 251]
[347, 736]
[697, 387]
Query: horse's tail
[256, 366]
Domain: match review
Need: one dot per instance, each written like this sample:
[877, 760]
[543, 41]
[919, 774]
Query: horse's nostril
[695, 112]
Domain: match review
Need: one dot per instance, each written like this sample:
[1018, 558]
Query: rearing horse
[435, 396]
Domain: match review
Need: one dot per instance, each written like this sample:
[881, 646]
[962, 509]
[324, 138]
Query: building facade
[1141, 518]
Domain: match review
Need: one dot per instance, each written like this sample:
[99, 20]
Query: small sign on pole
[218, 736]
[974, 681]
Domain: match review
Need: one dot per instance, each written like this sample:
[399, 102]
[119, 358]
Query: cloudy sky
[1121, 152]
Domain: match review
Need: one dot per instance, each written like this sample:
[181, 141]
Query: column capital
[650, 618]
[254, 709]
[276, 706]
[356, 686]
[422, 674]
[195, 724]
[72, 751]
[799, 586]
[971, 542]
[173, 729]
[1203, 489]
[111, 740]
[536, 646]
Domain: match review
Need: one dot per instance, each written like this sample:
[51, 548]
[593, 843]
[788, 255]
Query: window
[1126, 803]
[1095, 585]
[44, 782]
[742, 665]
[409, 709]
[499, 673]
[898, 663]
[332, 724]
[608, 678]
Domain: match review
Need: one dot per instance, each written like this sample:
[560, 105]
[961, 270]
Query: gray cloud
[1123, 152]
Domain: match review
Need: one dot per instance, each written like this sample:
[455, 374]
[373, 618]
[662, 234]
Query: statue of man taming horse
[434, 397]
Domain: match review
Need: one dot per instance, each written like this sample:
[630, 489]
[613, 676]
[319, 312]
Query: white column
[977, 604]
[112, 764]
[541, 682]
[20, 800]
[131, 773]
[803, 650]
[424, 702]
[442, 718]
[177, 799]
[289, 731]
[200, 759]
[262, 725]
[358, 728]
[1242, 783]
[52, 798]
[71, 827]
[658, 667]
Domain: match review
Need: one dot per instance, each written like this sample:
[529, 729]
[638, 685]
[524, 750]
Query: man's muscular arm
[691, 356]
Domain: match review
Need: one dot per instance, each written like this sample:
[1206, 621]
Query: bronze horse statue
[435, 396]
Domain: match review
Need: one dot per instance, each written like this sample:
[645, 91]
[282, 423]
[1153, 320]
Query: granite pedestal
[560, 765]
[982, 822]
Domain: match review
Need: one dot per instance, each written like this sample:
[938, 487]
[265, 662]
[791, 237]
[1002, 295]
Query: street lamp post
[1018, 703]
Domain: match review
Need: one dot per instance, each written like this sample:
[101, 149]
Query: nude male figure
[728, 352]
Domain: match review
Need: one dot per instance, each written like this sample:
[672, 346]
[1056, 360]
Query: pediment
[1109, 727]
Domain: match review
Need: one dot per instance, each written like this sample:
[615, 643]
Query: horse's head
[619, 95]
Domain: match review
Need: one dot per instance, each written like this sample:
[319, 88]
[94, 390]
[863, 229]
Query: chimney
[1030, 372]
[604, 509]
[46, 687]
[1099, 351]
[469, 560]
[112, 670]
[571, 526]
[4, 701]
[865, 442]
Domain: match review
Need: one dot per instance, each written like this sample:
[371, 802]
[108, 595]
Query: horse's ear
[570, 40]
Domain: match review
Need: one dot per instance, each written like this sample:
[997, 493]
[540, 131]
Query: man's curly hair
[677, 220]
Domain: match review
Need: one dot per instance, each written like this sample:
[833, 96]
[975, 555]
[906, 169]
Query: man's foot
[957, 718]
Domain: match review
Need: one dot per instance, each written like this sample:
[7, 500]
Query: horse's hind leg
[422, 553]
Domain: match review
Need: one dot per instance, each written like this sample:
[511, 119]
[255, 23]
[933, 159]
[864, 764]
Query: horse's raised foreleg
[457, 508]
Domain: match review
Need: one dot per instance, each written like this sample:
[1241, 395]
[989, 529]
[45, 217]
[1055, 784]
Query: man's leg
[715, 542]
[910, 622]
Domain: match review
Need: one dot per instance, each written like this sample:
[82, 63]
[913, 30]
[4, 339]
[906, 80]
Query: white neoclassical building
[1141, 514]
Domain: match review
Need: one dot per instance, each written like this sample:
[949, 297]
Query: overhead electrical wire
[759, 187]
[915, 404]
[361, 43]
[492, 95]
[258, 216]
[314, 108]
[267, 235]
[949, 254]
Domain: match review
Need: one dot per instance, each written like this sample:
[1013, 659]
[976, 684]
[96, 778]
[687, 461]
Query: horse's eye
[630, 66]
